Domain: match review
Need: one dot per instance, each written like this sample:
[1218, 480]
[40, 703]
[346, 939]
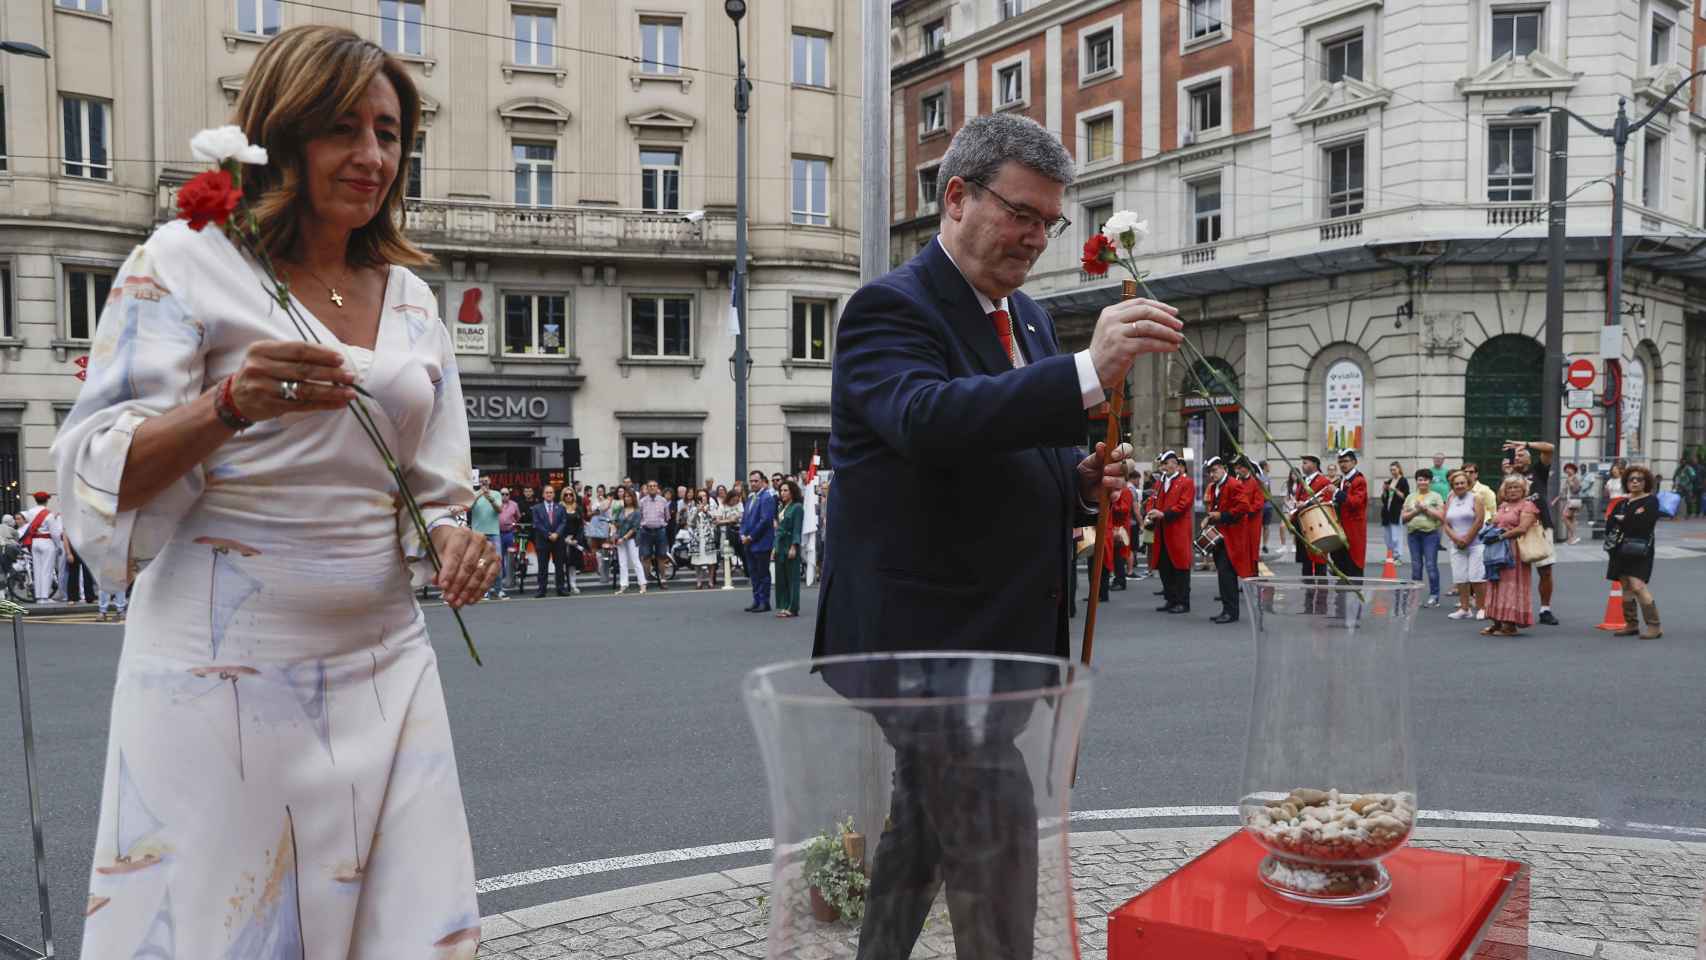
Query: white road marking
[610, 864]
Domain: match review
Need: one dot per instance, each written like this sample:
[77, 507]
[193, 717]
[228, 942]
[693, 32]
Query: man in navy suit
[550, 540]
[758, 535]
[947, 378]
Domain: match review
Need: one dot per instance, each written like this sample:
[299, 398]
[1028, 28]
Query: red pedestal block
[1443, 906]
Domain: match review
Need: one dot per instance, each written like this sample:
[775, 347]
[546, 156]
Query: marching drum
[1206, 541]
[1319, 526]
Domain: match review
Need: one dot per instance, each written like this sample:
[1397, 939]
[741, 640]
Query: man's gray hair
[985, 143]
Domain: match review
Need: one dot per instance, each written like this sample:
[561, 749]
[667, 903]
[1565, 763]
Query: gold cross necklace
[337, 298]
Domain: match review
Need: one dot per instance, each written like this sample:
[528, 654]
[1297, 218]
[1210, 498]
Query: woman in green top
[1424, 511]
[790, 519]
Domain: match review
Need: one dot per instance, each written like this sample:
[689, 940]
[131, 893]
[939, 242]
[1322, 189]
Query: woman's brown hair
[303, 80]
[1646, 475]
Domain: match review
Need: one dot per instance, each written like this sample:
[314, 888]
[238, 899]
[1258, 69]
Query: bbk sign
[660, 450]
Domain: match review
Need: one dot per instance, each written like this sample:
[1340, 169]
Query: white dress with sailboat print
[280, 781]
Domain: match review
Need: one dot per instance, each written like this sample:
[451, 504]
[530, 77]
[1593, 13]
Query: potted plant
[835, 874]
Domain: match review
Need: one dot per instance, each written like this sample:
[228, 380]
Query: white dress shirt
[1089, 385]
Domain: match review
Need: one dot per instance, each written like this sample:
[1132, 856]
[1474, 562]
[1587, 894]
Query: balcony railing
[1514, 214]
[1341, 228]
[1195, 255]
[568, 228]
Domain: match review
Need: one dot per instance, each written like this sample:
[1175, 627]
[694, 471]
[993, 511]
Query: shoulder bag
[1532, 546]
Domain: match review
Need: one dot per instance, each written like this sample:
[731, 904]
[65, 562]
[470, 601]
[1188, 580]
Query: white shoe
[1481, 614]
[1458, 614]
[575, 591]
[1432, 602]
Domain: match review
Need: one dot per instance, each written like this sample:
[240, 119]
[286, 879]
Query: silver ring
[483, 562]
[287, 390]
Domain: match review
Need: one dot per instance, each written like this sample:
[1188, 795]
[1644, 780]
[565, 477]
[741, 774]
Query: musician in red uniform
[1217, 501]
[1245, 473]
[1352, 501]
[1314, 481]
[1117, 558]
[1176, 503]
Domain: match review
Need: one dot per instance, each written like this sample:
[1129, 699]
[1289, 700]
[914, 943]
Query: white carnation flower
[1125, 230]
[226, 143]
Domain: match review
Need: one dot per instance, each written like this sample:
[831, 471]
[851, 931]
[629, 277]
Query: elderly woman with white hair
[1508, 603]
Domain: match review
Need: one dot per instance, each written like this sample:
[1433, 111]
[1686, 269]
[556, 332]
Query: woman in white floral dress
[280, 780]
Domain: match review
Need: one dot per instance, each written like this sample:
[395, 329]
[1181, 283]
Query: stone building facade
[1345, 209]
[574, 178]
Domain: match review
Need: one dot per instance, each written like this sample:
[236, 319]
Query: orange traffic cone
[1614, 609]
[1390, 570]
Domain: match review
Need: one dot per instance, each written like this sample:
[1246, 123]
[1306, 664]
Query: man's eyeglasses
[1031, 219]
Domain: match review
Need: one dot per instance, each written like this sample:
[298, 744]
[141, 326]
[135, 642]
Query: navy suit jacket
[542, 527]
[955, 483]
[759, 521]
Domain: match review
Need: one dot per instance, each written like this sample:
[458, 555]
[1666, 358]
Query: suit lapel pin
[1030, 328]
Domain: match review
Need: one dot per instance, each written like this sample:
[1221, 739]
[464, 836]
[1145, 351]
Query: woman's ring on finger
[287, 390]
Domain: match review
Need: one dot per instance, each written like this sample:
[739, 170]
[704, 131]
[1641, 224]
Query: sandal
[1509, 631]
[1490, 630]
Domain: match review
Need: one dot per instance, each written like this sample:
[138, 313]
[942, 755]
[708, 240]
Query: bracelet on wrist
[225, 408]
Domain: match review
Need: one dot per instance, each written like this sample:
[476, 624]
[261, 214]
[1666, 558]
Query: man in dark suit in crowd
[947, 378]
[550, 540]
[758, 534]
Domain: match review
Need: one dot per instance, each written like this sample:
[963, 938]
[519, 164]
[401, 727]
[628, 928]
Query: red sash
[29, 536]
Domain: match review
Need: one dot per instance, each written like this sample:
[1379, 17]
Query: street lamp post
[22, 49]
[736, 9]
[1551, 386]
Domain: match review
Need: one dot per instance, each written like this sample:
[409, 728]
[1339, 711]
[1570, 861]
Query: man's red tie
[1004, 330]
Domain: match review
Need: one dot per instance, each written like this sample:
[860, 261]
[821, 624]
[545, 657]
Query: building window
[934, 112]
[1343, 58]
[660, 327]
[535, 324]
[1096, 216]
[811, 330]
[1011, 8]
[6, 302]
[1099, 52]
[85, 293]
[928, 186]
[1516, 33]
[535, 37]
[258, 17]
[1652, 171]
[1009, 85]
[811, 59]
[660, 45]
[811, 191]
[1205, 108]
[1344, 180]
[1205, 209]
[1099, 138]
[660, 180]
[88, 124]
[1510, 164]
[400, 26]
[87, 6]
[1204, 18]
[935, 35]
[417, 160]
[1659, 55]
[534, 163]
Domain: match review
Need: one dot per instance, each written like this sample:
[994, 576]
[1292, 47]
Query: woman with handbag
[1508, 603]
[1394, 494]
[1629, 541]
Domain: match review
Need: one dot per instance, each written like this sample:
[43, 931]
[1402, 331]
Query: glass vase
[919, 804]
[1329, 771]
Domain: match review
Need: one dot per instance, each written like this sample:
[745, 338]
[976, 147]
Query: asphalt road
[604, 727]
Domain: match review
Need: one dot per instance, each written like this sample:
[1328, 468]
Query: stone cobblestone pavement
[1611, 898]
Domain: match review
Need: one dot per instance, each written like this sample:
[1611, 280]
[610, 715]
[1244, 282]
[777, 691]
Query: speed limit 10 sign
[1578, 424]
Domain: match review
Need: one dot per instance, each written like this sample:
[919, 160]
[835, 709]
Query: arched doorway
[1211, 385]
[1501, 399]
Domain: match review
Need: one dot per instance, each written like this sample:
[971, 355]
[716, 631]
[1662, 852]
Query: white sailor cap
[1212, 462]
[1168, 455]
[1347, 452]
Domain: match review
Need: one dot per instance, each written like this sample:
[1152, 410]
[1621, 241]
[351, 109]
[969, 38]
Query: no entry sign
[1580, 375]
[1578, 424]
